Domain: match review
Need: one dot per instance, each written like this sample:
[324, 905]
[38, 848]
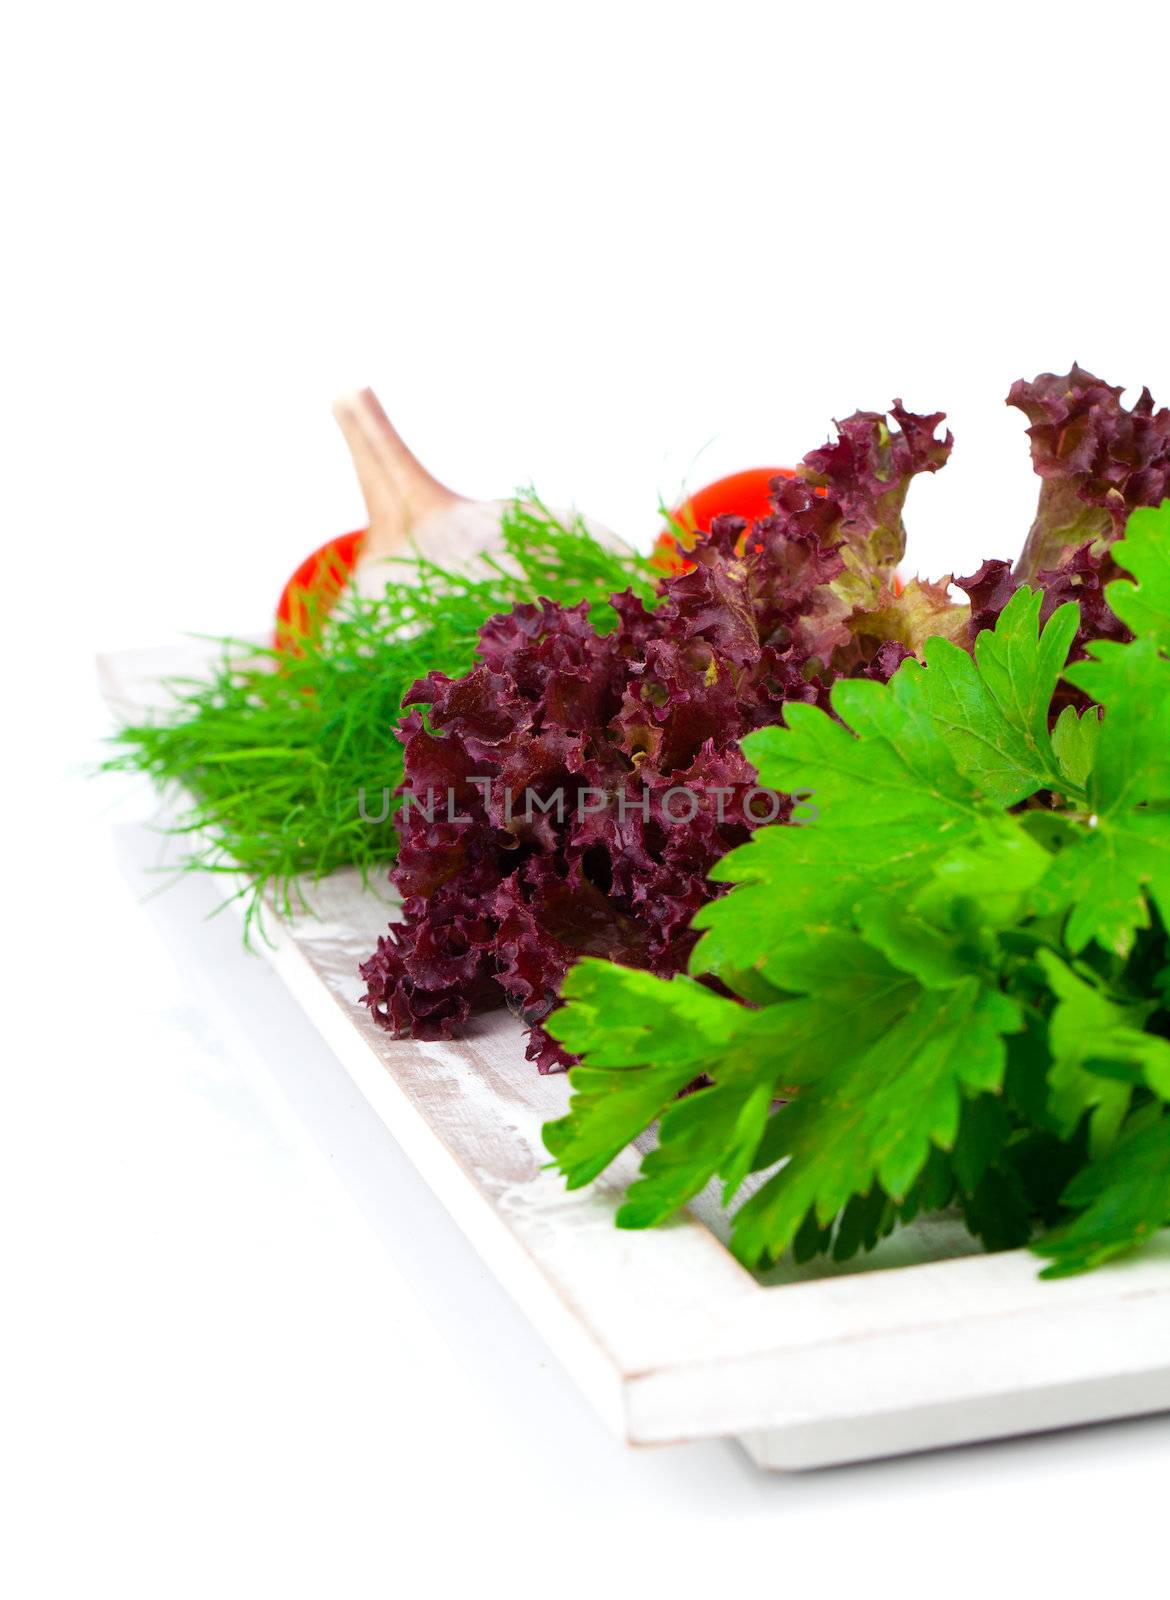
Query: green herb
[271, 752]
[952, 985]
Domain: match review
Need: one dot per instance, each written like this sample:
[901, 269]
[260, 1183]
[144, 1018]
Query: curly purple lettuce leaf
[862, 479]
[1098, 460]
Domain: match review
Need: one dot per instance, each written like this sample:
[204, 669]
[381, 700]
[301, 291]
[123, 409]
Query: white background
[605, 249]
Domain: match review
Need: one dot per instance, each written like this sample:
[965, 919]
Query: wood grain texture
[666, 1333]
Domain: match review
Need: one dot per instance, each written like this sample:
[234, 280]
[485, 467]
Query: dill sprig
[268, 754]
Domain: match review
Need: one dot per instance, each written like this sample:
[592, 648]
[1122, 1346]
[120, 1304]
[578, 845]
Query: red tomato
[315, 585]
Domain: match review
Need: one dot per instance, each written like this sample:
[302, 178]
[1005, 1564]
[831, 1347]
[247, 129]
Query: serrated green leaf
[1124, 1197]
[1144, 606]
[874, 1116]
[884, 812]
[987, 882]
[643, 1039]
[1074, 743]
[1132, 683]
[714, 1130]
[935, 957]
[1088, 1028]
[656, 1035]
[913, 767]
[1093, 1030]
[1103, 875]
[993, 710]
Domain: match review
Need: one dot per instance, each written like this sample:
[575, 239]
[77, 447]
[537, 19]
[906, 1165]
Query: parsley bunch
[950, 989]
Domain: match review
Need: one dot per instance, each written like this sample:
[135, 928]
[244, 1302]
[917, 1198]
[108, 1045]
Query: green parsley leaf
[1124, 1197]
[658, 1036]
[1145, 551]
[1103, 876]
[1074, 743]
[993, 710]
[1089, 1033]
[644, 1039]
[875, 1115]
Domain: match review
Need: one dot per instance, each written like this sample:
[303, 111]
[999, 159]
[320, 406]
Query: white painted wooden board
[921, 1345]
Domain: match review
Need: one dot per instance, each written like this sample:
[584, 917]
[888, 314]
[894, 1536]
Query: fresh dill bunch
[268, 754]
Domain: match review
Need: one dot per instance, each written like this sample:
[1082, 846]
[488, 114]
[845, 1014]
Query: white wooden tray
[921, 1345]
